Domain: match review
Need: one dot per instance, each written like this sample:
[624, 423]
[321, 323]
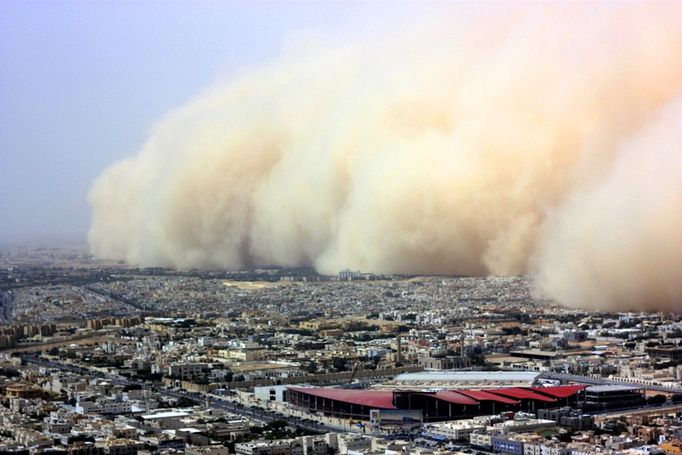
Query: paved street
[256, 413]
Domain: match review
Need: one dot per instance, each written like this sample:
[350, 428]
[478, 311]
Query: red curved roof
[482, 395]
[381, 399]
[559, 391]
[455, 397]
[373, 398]
[519, 393]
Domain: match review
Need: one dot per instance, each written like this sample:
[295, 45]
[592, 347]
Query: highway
[118, 298]
[563, 377]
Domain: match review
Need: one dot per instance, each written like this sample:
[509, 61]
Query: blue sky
[82, 82]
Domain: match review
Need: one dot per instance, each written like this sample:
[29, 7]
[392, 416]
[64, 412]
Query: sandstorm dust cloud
[545, 141]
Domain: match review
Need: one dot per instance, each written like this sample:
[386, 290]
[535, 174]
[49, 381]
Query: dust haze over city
[354, 228]
[529, 140]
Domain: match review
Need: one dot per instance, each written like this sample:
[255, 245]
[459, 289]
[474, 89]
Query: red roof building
[519, 393]
[440, 405]
[452, 396]
[376, 399]
[560, 391]
[482, 395]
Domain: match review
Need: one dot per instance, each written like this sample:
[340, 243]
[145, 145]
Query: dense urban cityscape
[100, 358]
[340, 227]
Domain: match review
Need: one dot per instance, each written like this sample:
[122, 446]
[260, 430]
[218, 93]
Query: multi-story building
[184, 370]
[567, 417]
[458, 430]
[277, 447]
[121, 446]
[6, 306]
[665, 352]
[353, 442]
[612, 396]
[481, 439]
[103, 406]
[271, 393]
[314, 446]
[507, 444]
[450, 362]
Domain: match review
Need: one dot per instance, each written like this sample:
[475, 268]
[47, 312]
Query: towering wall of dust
[545, 141]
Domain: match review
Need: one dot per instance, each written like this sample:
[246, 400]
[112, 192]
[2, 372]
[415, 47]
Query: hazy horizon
[453, 138]
[82, 84]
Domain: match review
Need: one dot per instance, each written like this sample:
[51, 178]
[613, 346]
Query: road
[83, 338]
[259, 414]
[661, 409]
[605, 381]
[116, 297]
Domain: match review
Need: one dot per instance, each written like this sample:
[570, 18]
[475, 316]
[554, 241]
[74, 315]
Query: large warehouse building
[434, 405]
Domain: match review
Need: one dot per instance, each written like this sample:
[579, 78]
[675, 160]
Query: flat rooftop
[534, 353]
[611, 388]
[165, 415]
[468, 376]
